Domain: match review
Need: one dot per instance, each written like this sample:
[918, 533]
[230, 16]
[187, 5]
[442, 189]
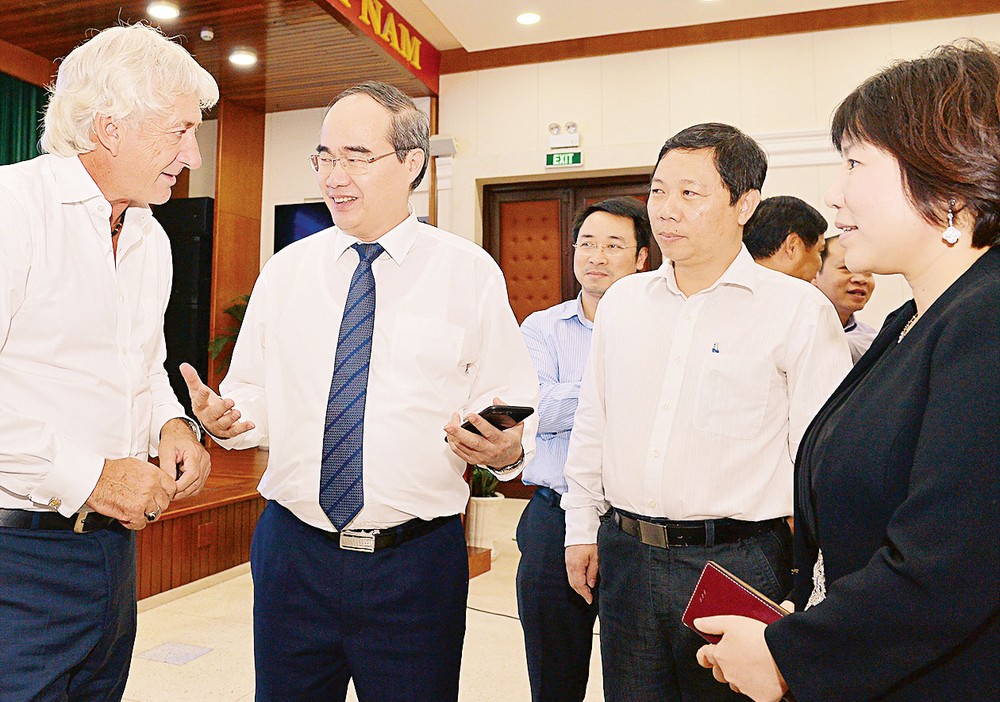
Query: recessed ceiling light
[163, 10]
[243, 57]
[529, 18]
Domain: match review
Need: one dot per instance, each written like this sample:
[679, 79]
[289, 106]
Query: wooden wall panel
[239, 182]
[26, 66]
[169, 555]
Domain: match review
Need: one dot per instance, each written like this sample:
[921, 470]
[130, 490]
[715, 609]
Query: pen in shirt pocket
[715, 347]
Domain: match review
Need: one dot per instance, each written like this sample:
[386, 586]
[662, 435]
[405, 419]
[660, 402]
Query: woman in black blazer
[897, 530]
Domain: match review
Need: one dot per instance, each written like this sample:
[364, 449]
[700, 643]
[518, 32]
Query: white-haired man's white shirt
[81, 335]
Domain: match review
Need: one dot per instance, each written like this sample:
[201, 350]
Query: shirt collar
[851, 323]
[73, 182]
[574, 308]
[742, 272]
[396, 242]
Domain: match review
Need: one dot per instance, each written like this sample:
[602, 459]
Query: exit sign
[564, 159]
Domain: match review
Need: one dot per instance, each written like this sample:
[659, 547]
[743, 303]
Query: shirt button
[666, 406]
[678, 360]
[55, 503]
[656, 453]
[651, 503]
[688, 317]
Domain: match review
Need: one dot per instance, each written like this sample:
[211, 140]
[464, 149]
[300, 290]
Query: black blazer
[897, 484]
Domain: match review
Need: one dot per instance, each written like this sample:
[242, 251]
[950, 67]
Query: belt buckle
[363, 541]
[653, 534]
[81, 522]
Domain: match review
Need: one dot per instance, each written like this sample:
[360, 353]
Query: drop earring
[951, 234]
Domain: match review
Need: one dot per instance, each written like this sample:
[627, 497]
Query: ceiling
[493, 25]
[308, 52]
[305, 55]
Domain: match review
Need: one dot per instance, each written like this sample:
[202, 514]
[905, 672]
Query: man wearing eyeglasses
[362, 348]
[611, 240]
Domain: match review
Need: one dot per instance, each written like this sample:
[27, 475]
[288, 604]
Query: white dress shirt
[81, 335]
[693, 407]
[445, 340]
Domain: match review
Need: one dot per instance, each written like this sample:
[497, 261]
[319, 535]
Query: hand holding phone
[501, 416]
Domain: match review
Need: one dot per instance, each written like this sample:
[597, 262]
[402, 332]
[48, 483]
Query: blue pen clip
[715, 347]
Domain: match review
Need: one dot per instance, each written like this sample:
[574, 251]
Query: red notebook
[720, 592]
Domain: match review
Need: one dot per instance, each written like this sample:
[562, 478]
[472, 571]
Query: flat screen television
[294, 222]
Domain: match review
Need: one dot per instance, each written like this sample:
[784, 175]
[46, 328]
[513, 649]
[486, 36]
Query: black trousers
[67, 614]
[392, 620]
[647, 654]
[558, 625]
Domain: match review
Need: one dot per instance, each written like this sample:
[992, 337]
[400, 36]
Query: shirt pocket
[732, 395]
[426, 353]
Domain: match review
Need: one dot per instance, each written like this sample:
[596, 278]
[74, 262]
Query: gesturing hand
[218, 415]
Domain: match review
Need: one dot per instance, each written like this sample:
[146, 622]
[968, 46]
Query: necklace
[908, 327]
[116, 228]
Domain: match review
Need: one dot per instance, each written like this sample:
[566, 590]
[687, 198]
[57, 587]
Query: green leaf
[482, 483]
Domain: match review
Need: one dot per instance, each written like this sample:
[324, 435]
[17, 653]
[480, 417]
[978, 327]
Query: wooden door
[528, 230]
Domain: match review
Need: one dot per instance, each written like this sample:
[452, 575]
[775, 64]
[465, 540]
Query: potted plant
[222, 344]
[481, 516]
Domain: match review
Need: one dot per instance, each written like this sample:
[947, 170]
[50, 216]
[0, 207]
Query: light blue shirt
[558, 341]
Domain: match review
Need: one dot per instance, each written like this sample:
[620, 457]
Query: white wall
[202, 183]
[781, 90]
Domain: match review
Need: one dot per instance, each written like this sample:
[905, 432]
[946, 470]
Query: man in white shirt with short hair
[702, 378]
[85, 275]
[361, 347]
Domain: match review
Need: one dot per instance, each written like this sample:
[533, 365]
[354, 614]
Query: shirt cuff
[71, 480]
[246, 440]
[582, 524]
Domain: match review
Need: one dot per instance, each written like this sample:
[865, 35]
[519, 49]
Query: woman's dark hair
[939, 116]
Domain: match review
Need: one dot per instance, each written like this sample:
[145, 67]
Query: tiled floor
[195, 643]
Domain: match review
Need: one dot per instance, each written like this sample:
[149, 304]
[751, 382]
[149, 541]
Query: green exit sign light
[564, 159]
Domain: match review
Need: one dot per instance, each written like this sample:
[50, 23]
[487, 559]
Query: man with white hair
[85, 274]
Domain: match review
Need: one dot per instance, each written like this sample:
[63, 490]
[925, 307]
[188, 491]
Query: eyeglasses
[353, 165]
[589, 247]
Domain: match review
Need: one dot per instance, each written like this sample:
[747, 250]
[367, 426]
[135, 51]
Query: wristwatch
[195, 427]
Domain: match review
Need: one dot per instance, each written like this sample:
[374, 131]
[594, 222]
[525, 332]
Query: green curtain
[21, 107]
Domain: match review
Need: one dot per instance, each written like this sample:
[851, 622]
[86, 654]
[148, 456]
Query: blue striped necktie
[341, 488]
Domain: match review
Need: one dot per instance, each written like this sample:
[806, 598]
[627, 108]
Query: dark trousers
[67, 614]
[558, 625]
[392, 620]
[647, 654]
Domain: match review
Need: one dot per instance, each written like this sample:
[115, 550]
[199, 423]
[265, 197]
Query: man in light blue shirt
[611, 239]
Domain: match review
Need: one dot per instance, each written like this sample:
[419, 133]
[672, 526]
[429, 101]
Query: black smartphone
[502, 417]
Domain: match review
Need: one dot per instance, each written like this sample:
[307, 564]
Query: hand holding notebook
[720, 592]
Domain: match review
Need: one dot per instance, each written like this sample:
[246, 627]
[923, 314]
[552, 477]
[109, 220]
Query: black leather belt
[671, 534]
[377, 539]
[549, 495]
[81, 522]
